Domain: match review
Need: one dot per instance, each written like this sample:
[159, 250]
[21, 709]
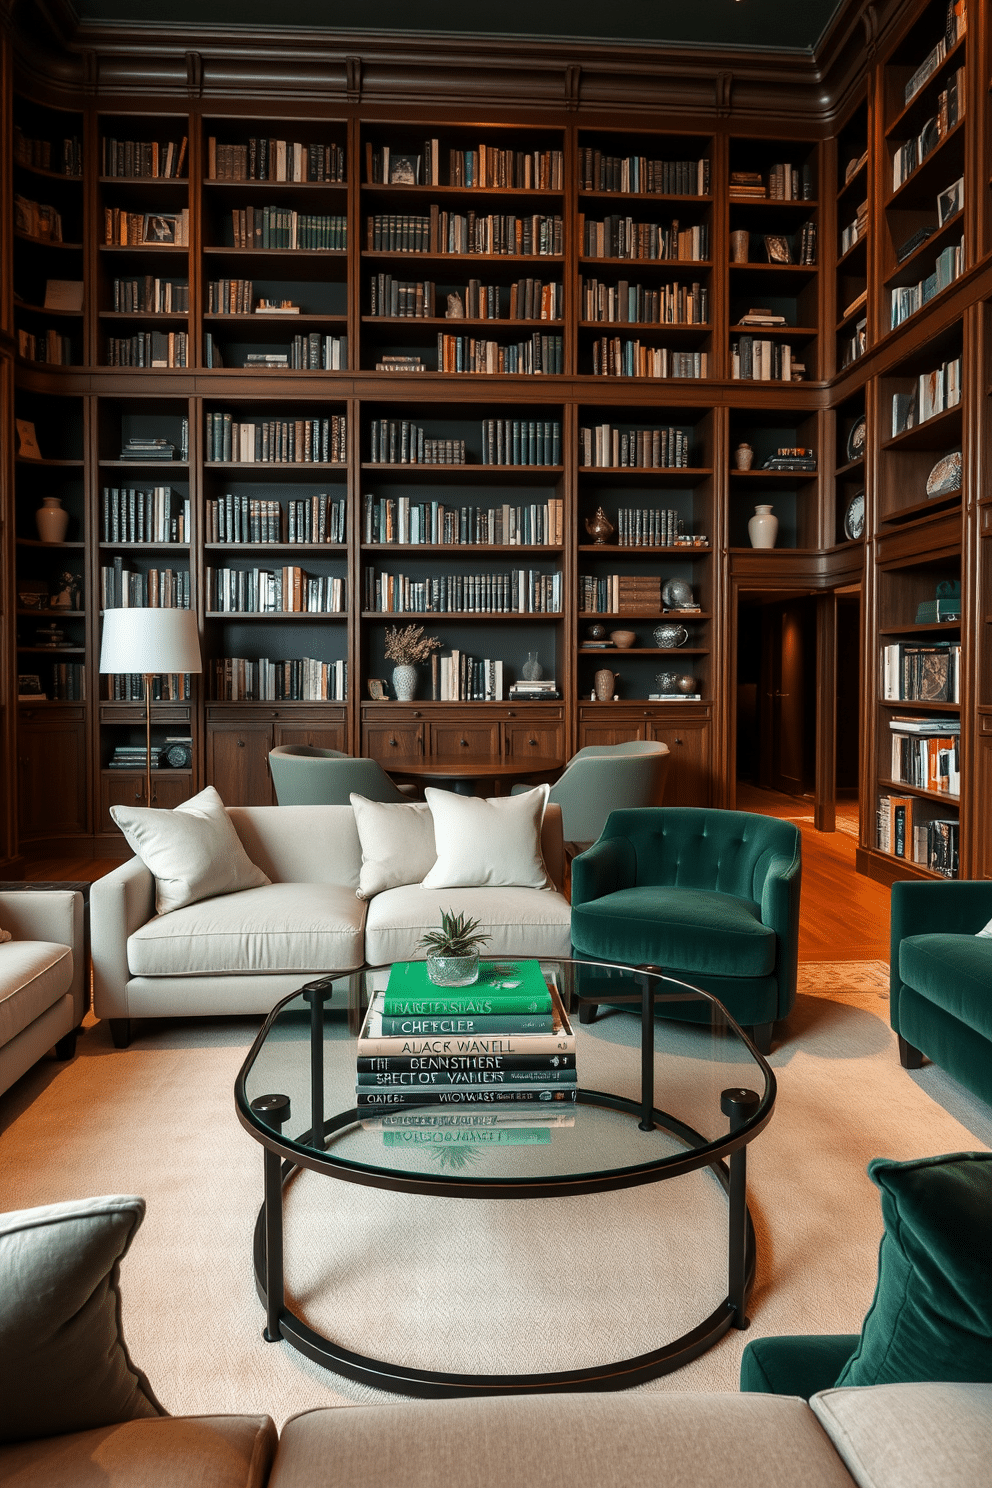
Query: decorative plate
[945, 476]
[676, 594]
[854, 517]
[856, 440]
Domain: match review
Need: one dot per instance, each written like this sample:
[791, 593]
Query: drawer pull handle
[531, 741]
[392, 743]
[241, 743]
[464, 743]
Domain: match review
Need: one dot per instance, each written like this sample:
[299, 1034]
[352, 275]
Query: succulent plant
[458, 936]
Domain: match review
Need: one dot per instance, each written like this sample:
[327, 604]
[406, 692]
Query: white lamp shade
[150, 640]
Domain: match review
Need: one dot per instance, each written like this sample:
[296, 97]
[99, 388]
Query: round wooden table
[455, 772]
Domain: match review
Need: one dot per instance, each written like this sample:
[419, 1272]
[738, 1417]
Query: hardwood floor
[845, 916]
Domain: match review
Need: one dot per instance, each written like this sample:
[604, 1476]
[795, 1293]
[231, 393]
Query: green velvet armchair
[710, 897]
[940, 978]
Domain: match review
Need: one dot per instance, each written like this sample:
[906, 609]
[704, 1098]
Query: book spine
[539, 1095]
[471, 1079]
[481, 1005]
[441, 1063]
[375, 1046]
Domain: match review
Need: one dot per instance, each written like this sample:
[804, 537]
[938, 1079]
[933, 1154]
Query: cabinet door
[541, 740]
[51, 777]
[688, 774]
[127, 788]
[473, 740]
[610, 733]
[386, 743]
[983, 783]
[238, 763]
[317, 735]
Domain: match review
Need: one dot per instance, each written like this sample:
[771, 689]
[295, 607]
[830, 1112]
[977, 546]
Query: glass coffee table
[688, 1097]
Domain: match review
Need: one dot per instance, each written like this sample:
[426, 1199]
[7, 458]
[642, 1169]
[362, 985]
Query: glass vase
[532, 670]
[453, 971]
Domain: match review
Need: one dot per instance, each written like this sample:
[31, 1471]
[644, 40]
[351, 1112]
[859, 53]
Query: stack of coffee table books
[505, 1042]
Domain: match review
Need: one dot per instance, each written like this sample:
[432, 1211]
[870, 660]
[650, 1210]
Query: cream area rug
[455, 1284]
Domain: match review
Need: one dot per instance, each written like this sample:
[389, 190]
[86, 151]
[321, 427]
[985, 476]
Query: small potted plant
[406, 648]
[453, 951]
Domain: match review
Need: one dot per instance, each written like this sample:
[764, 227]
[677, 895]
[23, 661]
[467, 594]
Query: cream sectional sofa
[42, 977]
[242, 952]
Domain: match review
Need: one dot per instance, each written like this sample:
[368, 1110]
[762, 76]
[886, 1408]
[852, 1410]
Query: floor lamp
[152, 642]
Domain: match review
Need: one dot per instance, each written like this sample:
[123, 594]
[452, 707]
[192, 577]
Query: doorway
[776, 693]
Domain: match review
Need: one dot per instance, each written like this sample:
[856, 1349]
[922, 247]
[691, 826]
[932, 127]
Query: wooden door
[238, 763]
[51, 775]
[688, 782]
[787, 716]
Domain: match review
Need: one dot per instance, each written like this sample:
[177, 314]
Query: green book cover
[504, 987]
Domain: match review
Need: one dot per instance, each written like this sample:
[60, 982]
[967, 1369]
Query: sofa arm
[797, 1364]
[956, 907]
[780, 896]
[57, 916]
[120, 903]
[607, 866]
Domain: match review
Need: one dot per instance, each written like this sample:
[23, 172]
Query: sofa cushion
[193, 852]
[911, 1436]
[931, 1317]
[63, 1362]
[954, 971]
[397, 843]
[668, 1439]
[34, 974]
[490, 843]
[519, 922]
[281, 927]
[691, 930]
[192, 1451]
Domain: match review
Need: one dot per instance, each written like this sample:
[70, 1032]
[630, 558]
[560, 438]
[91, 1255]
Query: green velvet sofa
[941, 979]
[711, 897]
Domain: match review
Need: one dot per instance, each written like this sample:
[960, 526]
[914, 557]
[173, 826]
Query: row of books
[484, 166]
[148, 349]
[321, 441]
[407, 299]
[622, 237]
[909, 298]
[928, 759]
[669, 304]
[460, 678]
[518, 592]
[634, 594]
[608, 447]
[242, 519]
[145, 447]
[403, 519]
[167, 687]
[505, 1040]
[934, 393]
[539, 354]
[537, 235]
[648, 527]
[260, 591]
[163, 159]
[781, 182]
[37, 220]
[123, 229]
[312, 352]
[402, 442]
[48, 346]
[521, 442]
[950, 111]
[919, 672]
[304, 679]
[148, 294]
[613, 357]
[137, 515]
[263, 159]
[855, 230]
[757, 359]
[66, 684]
[65, 156]
[955, 26]
[638, 175]
[282, 227]
[164, 589]
[902, 830]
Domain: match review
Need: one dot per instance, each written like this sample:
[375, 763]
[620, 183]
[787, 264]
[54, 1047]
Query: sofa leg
[66, 1047]
[761, 1036]
[909, 1057]
[120, 1032]
[588, 1011]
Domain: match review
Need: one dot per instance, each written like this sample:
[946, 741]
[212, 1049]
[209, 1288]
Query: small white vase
[762, 529]
[52, 520]
[404, 682]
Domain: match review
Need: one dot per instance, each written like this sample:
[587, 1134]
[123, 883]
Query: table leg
[646, 1122]
[273, 1110]
[316, 994]
[738, 1105]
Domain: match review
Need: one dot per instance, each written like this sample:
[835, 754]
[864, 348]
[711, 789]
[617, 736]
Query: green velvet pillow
[931, 1317]
[63, 1363]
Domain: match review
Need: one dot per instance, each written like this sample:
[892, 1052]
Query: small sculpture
[599, 527]
[65, 592]
[456, 307]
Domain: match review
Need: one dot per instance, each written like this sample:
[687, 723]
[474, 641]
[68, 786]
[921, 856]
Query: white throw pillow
[986, 930]
[194, 851]
[492, 843]
[397, 843]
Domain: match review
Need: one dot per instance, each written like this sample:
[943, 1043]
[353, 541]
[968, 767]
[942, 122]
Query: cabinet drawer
[402, 742]
[544, 740]
[316, 735]
[473, 740]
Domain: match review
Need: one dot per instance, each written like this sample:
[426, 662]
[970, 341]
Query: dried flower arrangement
[408, 646]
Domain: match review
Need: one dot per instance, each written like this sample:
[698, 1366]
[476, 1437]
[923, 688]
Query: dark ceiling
[788, 24]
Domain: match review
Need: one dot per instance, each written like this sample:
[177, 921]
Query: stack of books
[747, 183]
[133, 757]
[547, 687]
[506, 1040]
[390, 363]
[137, 448]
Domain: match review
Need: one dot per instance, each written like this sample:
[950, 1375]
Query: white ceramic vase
[762, 529]
[52, 520]
[404, 682]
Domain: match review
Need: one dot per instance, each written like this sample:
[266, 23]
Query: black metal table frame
[264, 1117]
